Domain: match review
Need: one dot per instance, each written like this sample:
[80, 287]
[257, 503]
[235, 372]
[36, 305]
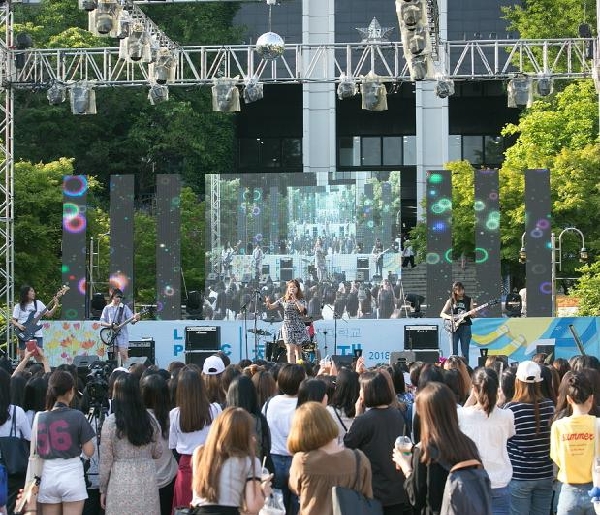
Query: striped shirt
[529, 452]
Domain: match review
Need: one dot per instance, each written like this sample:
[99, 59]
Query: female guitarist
[26, 316]
[113, 316]
[459, 328]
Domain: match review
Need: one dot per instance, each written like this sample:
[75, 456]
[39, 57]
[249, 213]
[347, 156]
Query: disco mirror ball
[270, 46]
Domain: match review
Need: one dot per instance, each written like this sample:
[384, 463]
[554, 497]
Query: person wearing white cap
[212, 370]
[529, 450]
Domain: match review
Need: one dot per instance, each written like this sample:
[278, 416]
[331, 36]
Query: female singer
[293, 329]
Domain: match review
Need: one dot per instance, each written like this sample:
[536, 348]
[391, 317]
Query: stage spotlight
[522, 256]
[544, 86]
[583, 255]
[163, 68]
[253, 91]
[225, 95]
[56, 94]
[124, 24]
[23, 41]
[88, 5]
[374, 94]
[347, 87]
[106, 16]
[520, 92]
[136, 46]
[444, 87]
[414, 31]
[97, 304]
[158, 93]
[83, 98]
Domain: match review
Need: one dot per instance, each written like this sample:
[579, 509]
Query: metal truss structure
[200, 66]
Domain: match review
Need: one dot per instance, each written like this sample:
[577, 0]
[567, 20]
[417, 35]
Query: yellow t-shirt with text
[572, 448]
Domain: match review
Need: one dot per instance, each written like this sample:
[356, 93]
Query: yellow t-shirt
[572, 448]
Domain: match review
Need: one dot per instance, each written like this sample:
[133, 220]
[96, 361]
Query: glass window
[271, 153]
[494, 148]
[409, 150]
[291, 150]
[454, 153]
[473, 149]
[371, 151]
[349, 151]
[392, 151]
[249, 152]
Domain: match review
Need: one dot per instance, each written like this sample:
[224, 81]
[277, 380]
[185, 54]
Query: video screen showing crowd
[235, 294]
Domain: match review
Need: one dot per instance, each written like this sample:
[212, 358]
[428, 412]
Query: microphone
[257, 292]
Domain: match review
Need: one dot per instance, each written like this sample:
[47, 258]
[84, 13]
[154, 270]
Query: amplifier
[421, 337]
[410, 356]
[203, 337]
[197, 357]
[144, 348]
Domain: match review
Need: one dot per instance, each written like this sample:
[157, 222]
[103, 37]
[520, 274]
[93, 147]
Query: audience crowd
[227, 437]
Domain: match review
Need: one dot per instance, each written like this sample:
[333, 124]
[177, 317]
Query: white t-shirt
[21, 315]
[490, 434]
[23, 426]
[279, 411]
[186, 443]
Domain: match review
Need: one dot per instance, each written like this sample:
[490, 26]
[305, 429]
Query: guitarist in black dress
[114, 314]
[26, 311]
[457, 304]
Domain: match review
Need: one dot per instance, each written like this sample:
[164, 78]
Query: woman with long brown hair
[529, 450]
[293, 329]
[442, 446]
[190, 421]
[226, 471]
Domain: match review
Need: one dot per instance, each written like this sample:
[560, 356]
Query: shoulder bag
[35, 463]
[348, 501]
[14, 450]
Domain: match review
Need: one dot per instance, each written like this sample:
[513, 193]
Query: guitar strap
[120, 314]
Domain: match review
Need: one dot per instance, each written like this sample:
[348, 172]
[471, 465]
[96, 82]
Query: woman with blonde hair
[320, 463]
[226, 472]
[293, 329]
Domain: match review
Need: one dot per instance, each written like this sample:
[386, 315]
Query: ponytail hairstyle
[60, 383]
[485, 383]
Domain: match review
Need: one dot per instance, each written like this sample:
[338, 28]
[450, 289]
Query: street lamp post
[583, 257]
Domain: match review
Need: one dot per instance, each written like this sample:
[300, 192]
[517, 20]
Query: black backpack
[468, 490]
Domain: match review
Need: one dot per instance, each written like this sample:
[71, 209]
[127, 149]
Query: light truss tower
[215, 219]
[7, 183]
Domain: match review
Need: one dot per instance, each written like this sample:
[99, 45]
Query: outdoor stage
[517, 338]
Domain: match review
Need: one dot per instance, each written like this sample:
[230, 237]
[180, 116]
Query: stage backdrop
[515, 337]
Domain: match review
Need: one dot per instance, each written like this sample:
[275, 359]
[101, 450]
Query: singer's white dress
[293, 329]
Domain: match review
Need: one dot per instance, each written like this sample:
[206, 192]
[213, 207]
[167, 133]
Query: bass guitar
[109, 334]
[377, 255]
[452, 325]
[32, 324]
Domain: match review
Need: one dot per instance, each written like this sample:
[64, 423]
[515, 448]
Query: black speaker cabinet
[362, 274]
[286, 263]
[134, 360]
[286, 274]
[342, 360]
[144, 348]
[203, 337]
[426, 356]
[417, 337]
[197, 357]
[362, 263]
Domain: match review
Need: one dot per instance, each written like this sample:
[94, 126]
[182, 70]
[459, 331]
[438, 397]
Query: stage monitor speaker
[286, 274]
[362, 263]
[266, 270]
[197, 357]
[544, 349]
[421, 336]
[342, 360]
[286, 263]
[144, 348]
[85, 361]
[426, 356]
[134, 360]
[203, 337]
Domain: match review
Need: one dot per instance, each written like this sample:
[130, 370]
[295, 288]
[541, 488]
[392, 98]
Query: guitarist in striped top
[29, 309]
[459, 328]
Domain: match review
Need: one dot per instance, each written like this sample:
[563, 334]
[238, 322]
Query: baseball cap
[529, 372]
[213, 365]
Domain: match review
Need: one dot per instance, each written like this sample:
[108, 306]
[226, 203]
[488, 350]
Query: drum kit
[276, 352]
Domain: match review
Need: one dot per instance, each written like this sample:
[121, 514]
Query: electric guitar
[31, 324]
[108, 334]
[452, 325]
[377, 255]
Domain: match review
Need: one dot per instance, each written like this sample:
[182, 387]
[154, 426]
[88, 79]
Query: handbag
[14, 450]
[35, 463]
[351, 501]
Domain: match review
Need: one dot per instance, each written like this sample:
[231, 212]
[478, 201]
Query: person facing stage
[377, 253]
[320, 261]
[293, 329]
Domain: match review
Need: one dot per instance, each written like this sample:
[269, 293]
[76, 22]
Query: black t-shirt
[462, 306]
[61, 432]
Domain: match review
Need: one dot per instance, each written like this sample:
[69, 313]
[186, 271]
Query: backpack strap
[339, 418]
[358, 486]
[13, 427]
[466, 464]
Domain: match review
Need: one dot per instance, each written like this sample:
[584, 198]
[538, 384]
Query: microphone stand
[335, 319]
[244, 311]
[257, 297]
